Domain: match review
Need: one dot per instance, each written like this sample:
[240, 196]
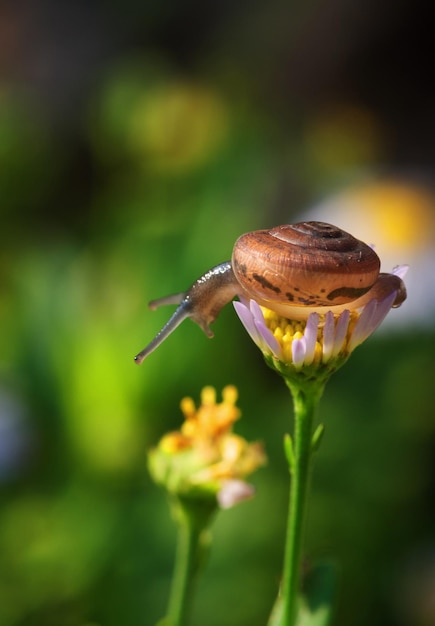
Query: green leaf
[289, 453]
[320, 586]
[276, 615]
[316, 603]
[317, 437]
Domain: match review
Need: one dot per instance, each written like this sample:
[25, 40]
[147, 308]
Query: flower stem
[305, 402]
[188, 558]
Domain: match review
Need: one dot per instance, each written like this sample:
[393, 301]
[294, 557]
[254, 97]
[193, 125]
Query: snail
[293, 269]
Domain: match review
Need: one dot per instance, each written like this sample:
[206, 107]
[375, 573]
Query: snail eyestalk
[202, 303]
[176, 298]
[175, 320]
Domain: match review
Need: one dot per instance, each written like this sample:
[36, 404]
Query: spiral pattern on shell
[304, 264]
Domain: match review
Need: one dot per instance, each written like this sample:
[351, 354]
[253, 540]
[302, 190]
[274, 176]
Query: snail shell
[292, 269]
[306, 264]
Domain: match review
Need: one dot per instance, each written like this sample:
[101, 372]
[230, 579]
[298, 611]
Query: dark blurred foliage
[137, 141]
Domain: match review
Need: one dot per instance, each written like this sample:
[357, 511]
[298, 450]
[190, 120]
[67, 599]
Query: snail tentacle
[175, 320]
[175, 298]
[202, 302]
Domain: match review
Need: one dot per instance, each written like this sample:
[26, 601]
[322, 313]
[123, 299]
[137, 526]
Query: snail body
[293, 269]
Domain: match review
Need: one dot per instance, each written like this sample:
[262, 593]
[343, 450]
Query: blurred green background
[137, 141]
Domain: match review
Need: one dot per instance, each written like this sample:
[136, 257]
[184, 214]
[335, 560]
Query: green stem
[190, 548]
[305, 402]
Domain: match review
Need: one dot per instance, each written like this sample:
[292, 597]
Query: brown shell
[304, 264]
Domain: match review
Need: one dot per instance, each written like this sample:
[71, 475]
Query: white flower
[322, 338]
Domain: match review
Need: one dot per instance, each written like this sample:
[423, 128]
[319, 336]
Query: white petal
[341, 332]
[310, 336]
[233, 492]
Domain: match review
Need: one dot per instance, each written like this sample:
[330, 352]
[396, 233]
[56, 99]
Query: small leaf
[317, 437]
[289, 453]
[276, 615]
[318, 597]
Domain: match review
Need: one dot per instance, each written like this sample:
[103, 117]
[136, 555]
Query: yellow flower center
[207, 433]
[211, 419]
[286, 331]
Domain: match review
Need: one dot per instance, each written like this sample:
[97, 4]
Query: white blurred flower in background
[398, 219]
